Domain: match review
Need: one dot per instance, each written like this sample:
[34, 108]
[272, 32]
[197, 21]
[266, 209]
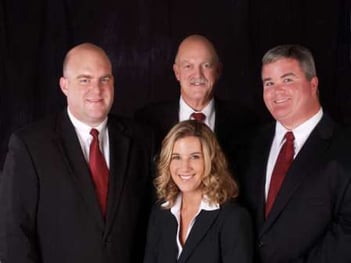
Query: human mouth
[279, 101]
[198, 82]
[95, 100]
[186, 177]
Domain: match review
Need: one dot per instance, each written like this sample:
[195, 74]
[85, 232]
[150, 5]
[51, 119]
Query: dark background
[141, 37]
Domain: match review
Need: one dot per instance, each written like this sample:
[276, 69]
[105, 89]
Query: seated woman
[196, 218]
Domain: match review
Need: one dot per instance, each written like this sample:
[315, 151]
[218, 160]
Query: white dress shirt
[185, 111]
[301, 134]
[83, 133]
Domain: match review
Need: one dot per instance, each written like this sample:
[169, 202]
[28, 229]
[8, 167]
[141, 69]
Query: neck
[191, 200]
[197, 105]
[293, 123]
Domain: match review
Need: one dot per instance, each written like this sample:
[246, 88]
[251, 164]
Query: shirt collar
[185, 110]
[302, 131]
[204, 205]
[84, 129]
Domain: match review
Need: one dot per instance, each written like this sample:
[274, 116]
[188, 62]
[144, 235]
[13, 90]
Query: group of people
[189, 180]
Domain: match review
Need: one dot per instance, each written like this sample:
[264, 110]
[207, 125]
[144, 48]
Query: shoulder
[232, 211]
[124, 127]
[127, 126]
[156, 107]
[159, 215]
[40, 130]
[235, 109]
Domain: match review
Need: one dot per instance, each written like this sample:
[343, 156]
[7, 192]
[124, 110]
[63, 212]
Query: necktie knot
[94, 133]
[289, 136]
[199, 116]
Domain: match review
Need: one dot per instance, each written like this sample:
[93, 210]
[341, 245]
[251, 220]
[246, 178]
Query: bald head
[194, 42]
[80, 51]
[197, 69]
[88, 83]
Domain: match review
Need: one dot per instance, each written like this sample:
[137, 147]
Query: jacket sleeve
[18, 206]
[236, 236]
[153, 236]
[335, 245]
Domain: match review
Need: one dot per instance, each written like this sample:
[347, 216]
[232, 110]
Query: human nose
[96, 86]
[185, 164]
[278, 87]
[198, 71]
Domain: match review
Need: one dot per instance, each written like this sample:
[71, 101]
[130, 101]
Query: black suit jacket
[223, 235]
[48, 206]
[234, 124]
[311, 218]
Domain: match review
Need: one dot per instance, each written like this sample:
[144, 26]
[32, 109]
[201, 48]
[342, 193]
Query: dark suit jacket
[234, 124]
[311, 218]
[223, 235]
[48, 207]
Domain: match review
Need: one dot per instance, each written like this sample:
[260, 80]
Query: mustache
[198, 81]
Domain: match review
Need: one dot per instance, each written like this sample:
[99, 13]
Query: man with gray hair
[197, 68]
[297, 184]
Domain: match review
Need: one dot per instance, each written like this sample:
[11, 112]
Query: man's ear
[314, 83]
[63, 85]
[176, 71]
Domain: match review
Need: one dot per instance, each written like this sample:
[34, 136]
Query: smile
[95, 100]
[186, 177]
[281, 101]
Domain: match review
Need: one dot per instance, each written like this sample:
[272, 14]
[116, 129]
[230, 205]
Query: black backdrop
[141, 37]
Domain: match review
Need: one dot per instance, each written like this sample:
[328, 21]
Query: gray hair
[300, 53]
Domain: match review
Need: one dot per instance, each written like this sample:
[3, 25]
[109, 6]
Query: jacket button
[260, 244]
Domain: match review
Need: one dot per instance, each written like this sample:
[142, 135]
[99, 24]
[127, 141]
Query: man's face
[289, 96]
[89, 86]
[197, 69]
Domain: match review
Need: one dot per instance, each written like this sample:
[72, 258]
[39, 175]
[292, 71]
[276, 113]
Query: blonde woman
[196, 218]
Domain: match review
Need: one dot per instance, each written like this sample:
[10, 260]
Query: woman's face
[187, 164]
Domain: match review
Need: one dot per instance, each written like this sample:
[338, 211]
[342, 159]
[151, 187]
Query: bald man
[197, 68]
[53, 206]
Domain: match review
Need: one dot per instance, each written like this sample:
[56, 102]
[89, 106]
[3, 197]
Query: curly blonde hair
[217, 183]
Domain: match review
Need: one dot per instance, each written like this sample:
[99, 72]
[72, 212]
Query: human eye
[187, 66]
[196, 156]
[105, 79]
[84, 81]
[175, 157]
[287, 80]
[268, 84]
[207, 65]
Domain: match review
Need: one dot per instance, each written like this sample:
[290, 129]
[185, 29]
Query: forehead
[196, 50]
[188, 143]
[88, 61]
[281, 67]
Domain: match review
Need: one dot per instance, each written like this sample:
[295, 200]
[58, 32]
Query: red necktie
[199, 116]
[99, 171]
[284, 160]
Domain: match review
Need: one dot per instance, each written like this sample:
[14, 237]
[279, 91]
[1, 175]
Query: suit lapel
[203, 222]
[119, 152]
[260, 166]
[70, 149]
[310, 156]
[169, 247]
[170, 115]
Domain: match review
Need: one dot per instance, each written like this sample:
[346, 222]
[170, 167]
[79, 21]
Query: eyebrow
[288, 75]
[91, 77]
[175, 153]
[283, 76]
[84, 76]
